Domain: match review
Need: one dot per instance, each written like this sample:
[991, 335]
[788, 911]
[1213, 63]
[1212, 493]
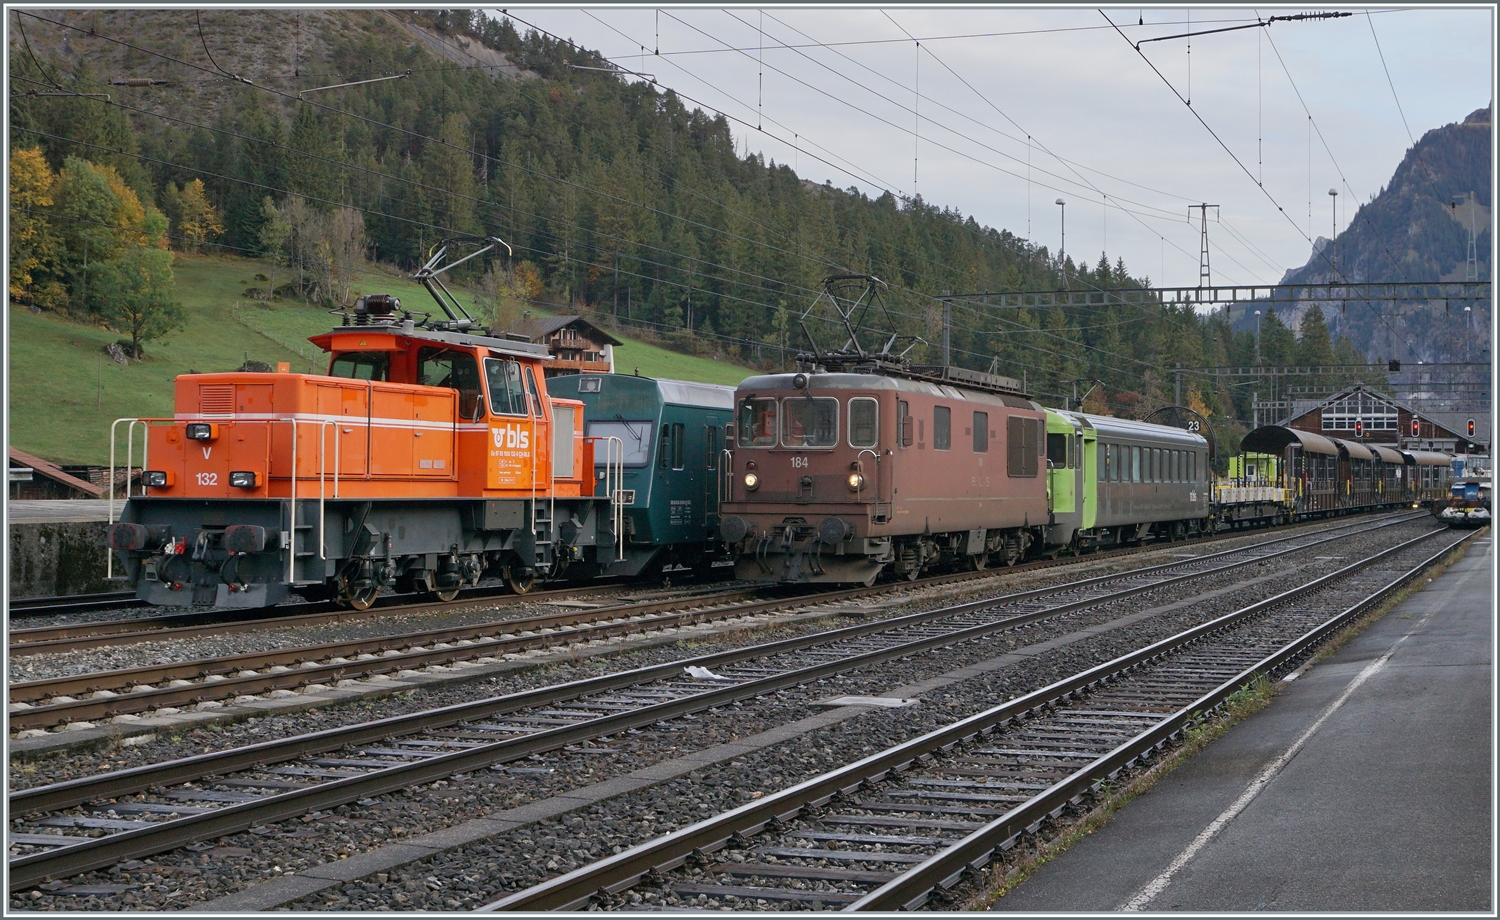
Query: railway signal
[1471, 428]
[1414, 427]
[1359, 429]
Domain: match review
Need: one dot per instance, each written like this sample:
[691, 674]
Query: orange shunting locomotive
[429, 455]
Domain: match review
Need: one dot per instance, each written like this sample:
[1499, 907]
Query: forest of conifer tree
[621, 201]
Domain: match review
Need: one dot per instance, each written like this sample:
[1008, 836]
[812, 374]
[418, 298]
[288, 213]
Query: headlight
[157, 479]
[856, 481]
[242, 479]
[752, 481]
[202, 431]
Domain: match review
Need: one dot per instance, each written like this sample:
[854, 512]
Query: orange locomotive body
[426, 457]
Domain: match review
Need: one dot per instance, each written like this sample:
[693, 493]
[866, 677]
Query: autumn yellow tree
[197, 219]
[34, 244]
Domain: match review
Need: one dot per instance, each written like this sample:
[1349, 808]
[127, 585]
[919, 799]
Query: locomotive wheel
[357, 598]
[979, 561]
[520, 584]
[448, 594]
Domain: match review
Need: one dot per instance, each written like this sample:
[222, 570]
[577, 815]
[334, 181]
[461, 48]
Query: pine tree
[315, 173]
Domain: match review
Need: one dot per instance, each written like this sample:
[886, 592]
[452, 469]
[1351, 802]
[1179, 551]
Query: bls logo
[512, 438]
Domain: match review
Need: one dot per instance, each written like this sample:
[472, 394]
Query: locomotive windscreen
[810, 421]
[636, 436]
[757, 427]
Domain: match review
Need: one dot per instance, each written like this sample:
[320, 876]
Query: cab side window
[362, 365]
[942, 428]
[1057, 451]
[454, 369]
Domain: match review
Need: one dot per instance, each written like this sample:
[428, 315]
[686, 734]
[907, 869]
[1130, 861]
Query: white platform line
[1142, 898]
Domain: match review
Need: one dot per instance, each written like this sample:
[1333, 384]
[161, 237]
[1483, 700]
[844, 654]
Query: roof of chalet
[537, 328]
[53, 472]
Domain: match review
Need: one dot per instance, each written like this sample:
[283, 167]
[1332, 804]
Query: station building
[1362, 414]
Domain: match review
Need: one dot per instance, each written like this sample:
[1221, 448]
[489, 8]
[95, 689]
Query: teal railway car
[670, 434]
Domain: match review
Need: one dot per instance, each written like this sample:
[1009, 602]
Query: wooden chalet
[577, 345]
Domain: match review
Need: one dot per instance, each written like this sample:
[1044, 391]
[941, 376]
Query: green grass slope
[65, 392]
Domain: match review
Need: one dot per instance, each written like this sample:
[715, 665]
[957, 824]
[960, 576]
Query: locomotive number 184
[799, 463]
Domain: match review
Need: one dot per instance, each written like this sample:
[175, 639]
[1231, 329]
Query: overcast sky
[846, 95]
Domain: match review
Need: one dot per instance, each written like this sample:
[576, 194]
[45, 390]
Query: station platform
[61, 511]
[1366, 785]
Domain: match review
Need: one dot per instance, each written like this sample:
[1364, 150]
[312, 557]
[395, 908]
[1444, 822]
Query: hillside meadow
[65, 391]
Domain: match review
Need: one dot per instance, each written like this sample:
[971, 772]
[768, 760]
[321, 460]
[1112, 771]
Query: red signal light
[1471, 428]
[1359, 429]
[1414, 428]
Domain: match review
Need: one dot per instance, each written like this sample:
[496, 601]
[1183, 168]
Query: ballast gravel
[474, 874]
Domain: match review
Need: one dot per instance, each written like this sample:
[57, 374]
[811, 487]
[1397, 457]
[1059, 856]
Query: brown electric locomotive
[837, 475]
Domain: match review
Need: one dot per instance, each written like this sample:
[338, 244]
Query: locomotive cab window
[1057, 451]
[531, 393]
[507, 393]
[456, 370]
[903, 423]
[757, 422]
[981, 432]
[634, 435]
[809, 421]
[864, 418]
[362, 365]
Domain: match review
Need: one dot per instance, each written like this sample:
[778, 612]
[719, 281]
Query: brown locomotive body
[836, 476]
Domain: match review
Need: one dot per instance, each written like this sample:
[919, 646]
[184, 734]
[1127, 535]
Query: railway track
[151, 809]
[895, 829]
[104, 633]
[45, 703]
[83, 603]
[197, 624]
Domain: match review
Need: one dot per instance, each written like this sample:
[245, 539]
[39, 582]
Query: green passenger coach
[671, 435]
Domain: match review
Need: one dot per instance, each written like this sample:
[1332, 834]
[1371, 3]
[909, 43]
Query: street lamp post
[1257, 338]
[1333, 240]
[1062, 247]
[1468, 330]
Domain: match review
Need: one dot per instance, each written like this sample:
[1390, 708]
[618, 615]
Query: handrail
[109, 554]
[726, 477]
[858, 492]
[614, 486]
[323, 483]
[291, 552]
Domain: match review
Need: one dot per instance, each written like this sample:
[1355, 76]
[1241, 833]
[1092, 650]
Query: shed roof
[53, 472]
[537, 328]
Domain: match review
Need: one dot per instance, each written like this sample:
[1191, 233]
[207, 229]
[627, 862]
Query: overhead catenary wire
[375, 212]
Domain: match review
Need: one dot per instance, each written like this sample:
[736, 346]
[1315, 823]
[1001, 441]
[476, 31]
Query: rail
[911, 889]
[841, 650]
